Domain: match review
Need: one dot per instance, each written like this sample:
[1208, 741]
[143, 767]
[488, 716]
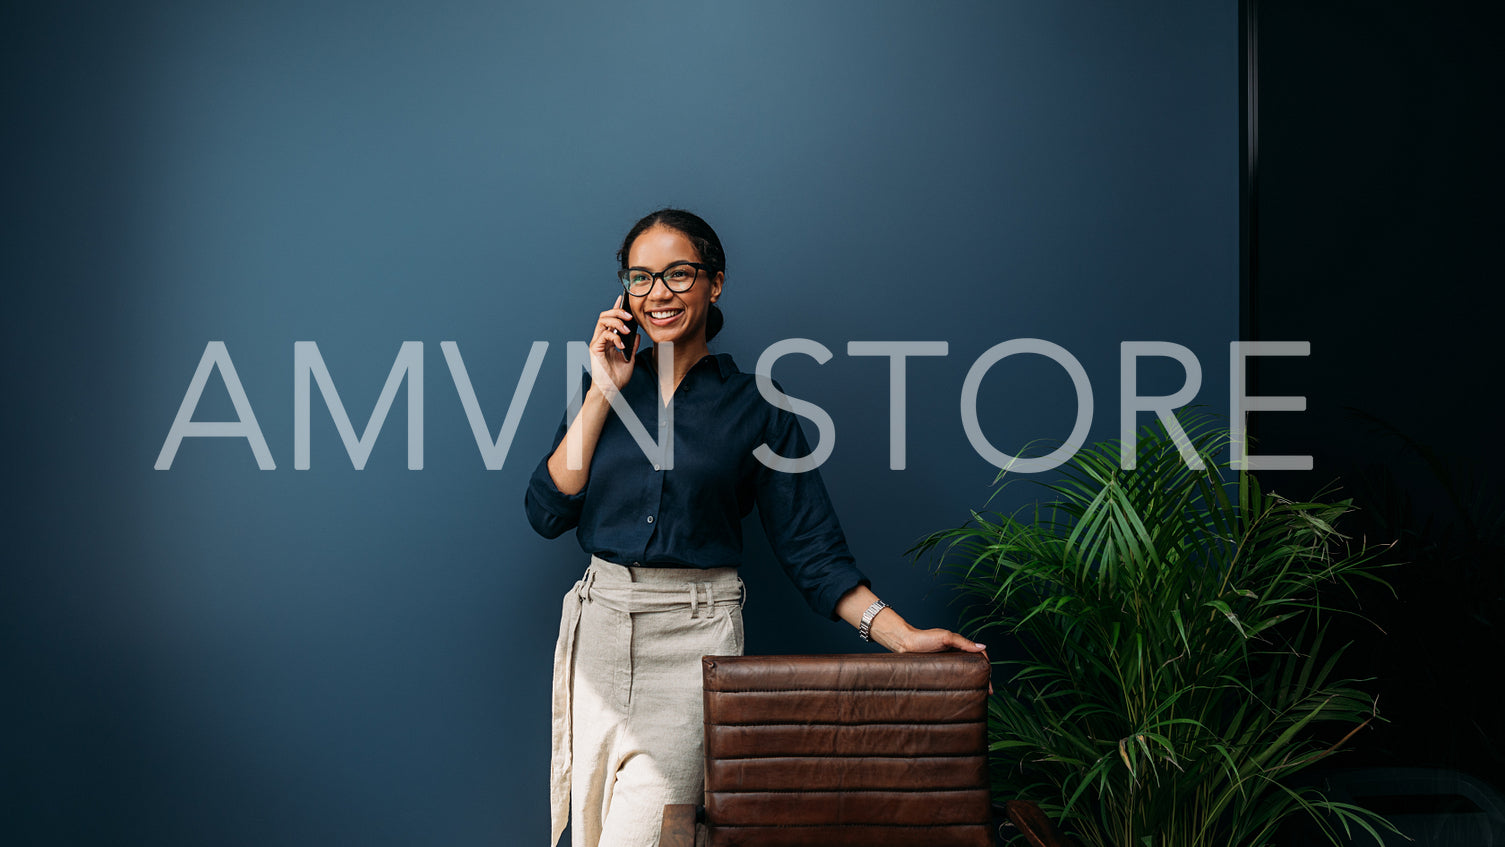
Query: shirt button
[650, 519]
[657, 468]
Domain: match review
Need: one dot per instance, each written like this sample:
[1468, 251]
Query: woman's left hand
[934, 641]
[889, 628]
[900, 637]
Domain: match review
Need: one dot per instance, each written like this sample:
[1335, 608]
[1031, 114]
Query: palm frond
[1174, 663]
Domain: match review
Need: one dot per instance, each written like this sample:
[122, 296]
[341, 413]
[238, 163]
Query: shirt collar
[725, 367]
[724, 364]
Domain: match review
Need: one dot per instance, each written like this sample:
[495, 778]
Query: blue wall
[220, 654]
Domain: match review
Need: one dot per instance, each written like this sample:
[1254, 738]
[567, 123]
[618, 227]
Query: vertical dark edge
[1249, 176]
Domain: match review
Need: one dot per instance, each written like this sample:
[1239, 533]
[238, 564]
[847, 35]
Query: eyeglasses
[679, 277]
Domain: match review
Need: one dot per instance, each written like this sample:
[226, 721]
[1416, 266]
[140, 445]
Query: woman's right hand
[569, 464]
[608, 366]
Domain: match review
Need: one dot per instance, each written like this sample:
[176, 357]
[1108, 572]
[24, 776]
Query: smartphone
[630, 339]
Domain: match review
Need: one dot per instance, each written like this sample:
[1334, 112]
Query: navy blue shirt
[636, 514]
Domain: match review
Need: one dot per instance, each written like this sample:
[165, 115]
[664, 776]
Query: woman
[662, 588]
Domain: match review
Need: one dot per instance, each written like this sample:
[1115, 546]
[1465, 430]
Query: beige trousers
[628, 728]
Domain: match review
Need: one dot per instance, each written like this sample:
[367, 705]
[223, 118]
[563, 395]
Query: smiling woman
[686, 248]
[665, 542]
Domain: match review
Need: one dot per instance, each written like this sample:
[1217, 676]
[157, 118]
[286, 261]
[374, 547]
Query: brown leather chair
[869, 750]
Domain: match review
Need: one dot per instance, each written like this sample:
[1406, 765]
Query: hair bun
[713, 322]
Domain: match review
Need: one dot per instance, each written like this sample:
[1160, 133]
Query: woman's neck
[686, 354]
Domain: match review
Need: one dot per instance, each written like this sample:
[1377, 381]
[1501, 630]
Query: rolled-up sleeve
[801, 523]
[551, 512]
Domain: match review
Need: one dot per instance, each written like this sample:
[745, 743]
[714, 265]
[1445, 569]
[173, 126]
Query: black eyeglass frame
[660, 277]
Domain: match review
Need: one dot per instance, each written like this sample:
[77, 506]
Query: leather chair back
[862, 750]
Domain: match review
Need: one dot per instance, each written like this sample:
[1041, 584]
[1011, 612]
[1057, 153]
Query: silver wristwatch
[864, 631]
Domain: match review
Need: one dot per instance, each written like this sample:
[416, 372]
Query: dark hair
[702, 238]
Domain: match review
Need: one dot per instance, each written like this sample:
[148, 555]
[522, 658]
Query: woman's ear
[716, 283]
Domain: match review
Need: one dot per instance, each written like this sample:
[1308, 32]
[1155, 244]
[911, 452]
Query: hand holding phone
[629, 340]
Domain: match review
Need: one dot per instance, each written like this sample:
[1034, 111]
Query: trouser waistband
[635, 590]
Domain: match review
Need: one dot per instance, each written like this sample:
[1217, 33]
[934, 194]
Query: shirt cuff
[551, 511]
[831, 593]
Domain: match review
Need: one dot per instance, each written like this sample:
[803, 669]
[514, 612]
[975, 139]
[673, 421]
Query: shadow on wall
[1378, 215]
[1446, 614]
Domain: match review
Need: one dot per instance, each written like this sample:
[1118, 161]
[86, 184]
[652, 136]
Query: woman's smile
[664, 317]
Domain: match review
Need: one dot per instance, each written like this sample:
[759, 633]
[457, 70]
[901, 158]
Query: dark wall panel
[220, 654]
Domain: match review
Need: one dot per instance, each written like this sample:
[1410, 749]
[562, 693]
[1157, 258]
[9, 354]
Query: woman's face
[668, 315]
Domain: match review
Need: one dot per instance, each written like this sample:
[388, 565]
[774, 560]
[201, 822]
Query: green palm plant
[1175, 670]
